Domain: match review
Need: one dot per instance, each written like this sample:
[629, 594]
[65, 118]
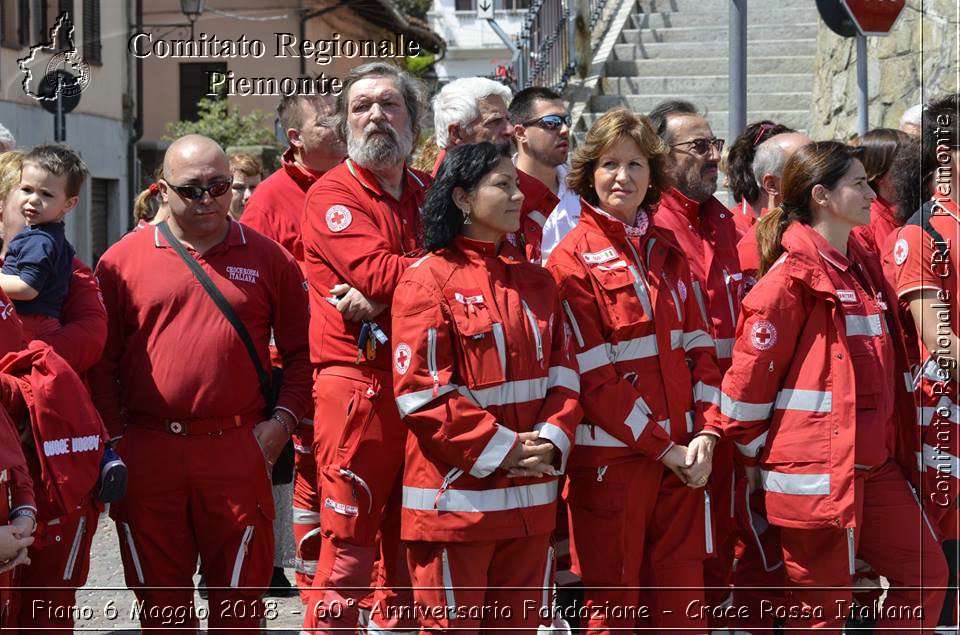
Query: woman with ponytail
[817, 403]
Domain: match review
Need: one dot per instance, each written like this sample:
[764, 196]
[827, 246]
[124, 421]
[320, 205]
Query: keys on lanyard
[370, 335]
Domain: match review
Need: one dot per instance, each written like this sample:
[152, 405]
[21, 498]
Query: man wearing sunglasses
[177, 380]
[542, 134]
[706, 232]
[470, 110]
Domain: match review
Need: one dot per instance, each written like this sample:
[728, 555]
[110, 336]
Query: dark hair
[59, 159]
[743, 182]
[662, 111]
[880, 147]
[916, 167]
[290, 111]
[612, 127]
[464, 166]
[521, 106]
[409, 87]
[818, 163]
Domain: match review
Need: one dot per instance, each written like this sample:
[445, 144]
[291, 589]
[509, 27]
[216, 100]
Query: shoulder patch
[597, 257]
[763, 335]
[901, 249]
[402, 355]
[338, 218]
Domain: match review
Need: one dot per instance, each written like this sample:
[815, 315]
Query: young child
[37, 269]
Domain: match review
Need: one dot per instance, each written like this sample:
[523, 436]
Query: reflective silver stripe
[307, 536]
[432, 355]
[449, 597]
[941, 460]
[724, 347]
[537, 217]
[867, 325]
[804, 400]
[908, 380]
[751, 519]
[744, 411]
[532, 319]
[665, 424]
[799, 484]
[419, 262]
[413, 401]
[638, 417]
[133, 553]
[641, 292]
[307, 567]
[546, 586]
[689, 417]
[636, 348]
[305, 516]
[922, 512]
[75, 548]
[696, 339]
[558, 437]
[480, 501]
[573, 323]
[698, 294]
[593, 358]
[561, 376]
[931, 371]
[708, 521]
[750, 449]
[241, 554]
[851, 551]
[676, 299]
[494, 452]
[706, 393]
[676, 338]
[596, 437]
[501, 343]
[524, 390]
[944, 408]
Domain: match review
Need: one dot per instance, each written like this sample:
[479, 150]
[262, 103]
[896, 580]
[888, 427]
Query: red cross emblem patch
[763, 335]
[900, 251]
[338, 218]
[401, 358]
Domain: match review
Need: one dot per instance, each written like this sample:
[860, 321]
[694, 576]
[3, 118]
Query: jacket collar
[412, 182]
[481, 249]
[809, 254]
[679, 203]
[600, 221]
[302, 176]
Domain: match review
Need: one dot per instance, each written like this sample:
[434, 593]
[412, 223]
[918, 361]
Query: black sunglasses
[702, 146]
[550, 122]
[196, 192]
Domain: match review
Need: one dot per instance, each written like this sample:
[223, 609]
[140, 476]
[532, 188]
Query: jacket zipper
[536, 331]
[600, 472]
[851, 551]
[432, 360]
[640, 286]
[356, 480]
[448, 480]
[923, 513]
[708, 524]
[726, 285]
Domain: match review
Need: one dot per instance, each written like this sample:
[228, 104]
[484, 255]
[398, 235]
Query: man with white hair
[470, 110]
[7, 142]
[910, 121]
[360, 226]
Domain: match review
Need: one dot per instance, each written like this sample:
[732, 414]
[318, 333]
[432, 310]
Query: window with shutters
[101, 195]
[91, 32]
[194, 85]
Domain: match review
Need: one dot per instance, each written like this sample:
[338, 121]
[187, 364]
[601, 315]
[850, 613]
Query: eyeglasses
[550, 122]
[702, 146]
[196, 192]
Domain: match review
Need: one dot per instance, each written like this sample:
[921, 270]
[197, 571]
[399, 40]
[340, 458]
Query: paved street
[107, 606]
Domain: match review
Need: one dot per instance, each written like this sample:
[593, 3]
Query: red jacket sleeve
[290, 319]
[83, 335]
[359, 254]
[448, 425]
[103, 377]
[609, 401]
[21, 488]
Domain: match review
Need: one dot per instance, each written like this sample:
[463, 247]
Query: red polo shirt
[172, 354]
[275, 208]
[355, 232]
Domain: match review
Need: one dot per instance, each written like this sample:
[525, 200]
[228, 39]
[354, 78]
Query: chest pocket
[624, 297]
[865, 337]
[480, 340]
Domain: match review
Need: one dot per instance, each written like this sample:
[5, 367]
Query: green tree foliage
[416, 8]
[225, 125]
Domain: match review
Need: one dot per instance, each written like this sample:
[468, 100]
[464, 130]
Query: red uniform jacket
[481, 352]
[743, 217]
[538, 203]
[156, 308]
[789, 400]
[354, 232]
[83, 335]
[648, 364]
[275, 208]
[707, 234]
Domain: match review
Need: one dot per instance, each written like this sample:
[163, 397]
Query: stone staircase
[670, 49]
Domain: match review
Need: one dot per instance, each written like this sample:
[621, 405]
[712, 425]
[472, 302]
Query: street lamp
[192, 9]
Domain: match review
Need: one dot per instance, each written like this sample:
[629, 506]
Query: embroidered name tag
[847, 296]
[598, 257]
[468, 299]
[341, 508]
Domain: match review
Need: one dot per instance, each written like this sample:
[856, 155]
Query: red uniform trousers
[204, 494]
[59, 562]
[6, 590]
[359, 454]
[892, 534]
[635, 524]
[469, 586]
[718, 569]
[306, 508]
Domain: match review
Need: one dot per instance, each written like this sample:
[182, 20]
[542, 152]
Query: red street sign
[874, 17]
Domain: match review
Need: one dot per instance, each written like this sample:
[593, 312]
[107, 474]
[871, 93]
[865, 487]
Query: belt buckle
[174, 427]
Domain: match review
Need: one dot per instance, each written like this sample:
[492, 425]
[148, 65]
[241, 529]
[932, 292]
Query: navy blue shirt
[42, 257]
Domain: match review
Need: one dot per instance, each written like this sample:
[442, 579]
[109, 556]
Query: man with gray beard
[360, 229]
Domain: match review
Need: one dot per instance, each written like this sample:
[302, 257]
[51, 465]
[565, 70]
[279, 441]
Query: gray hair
[410, 88]
[769, 159]
[7, 142]
[457, 103]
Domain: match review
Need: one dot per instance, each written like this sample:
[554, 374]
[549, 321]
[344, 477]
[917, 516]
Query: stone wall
[916, 62]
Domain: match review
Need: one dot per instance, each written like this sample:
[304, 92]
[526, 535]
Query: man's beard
[694, 186]
[379, 151]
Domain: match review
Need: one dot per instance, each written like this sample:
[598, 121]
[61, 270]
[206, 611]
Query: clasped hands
[14, 540]
[532, 456]
[692, 463]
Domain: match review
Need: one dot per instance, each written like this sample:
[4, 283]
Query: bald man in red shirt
[178, 382]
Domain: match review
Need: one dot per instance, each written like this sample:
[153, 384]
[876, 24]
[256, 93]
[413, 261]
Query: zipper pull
[362, 340]
[600, 472]
[436, 384]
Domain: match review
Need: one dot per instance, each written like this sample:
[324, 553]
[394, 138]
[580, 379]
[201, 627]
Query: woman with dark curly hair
[485, 378]
[741, 180]
[637, 511]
